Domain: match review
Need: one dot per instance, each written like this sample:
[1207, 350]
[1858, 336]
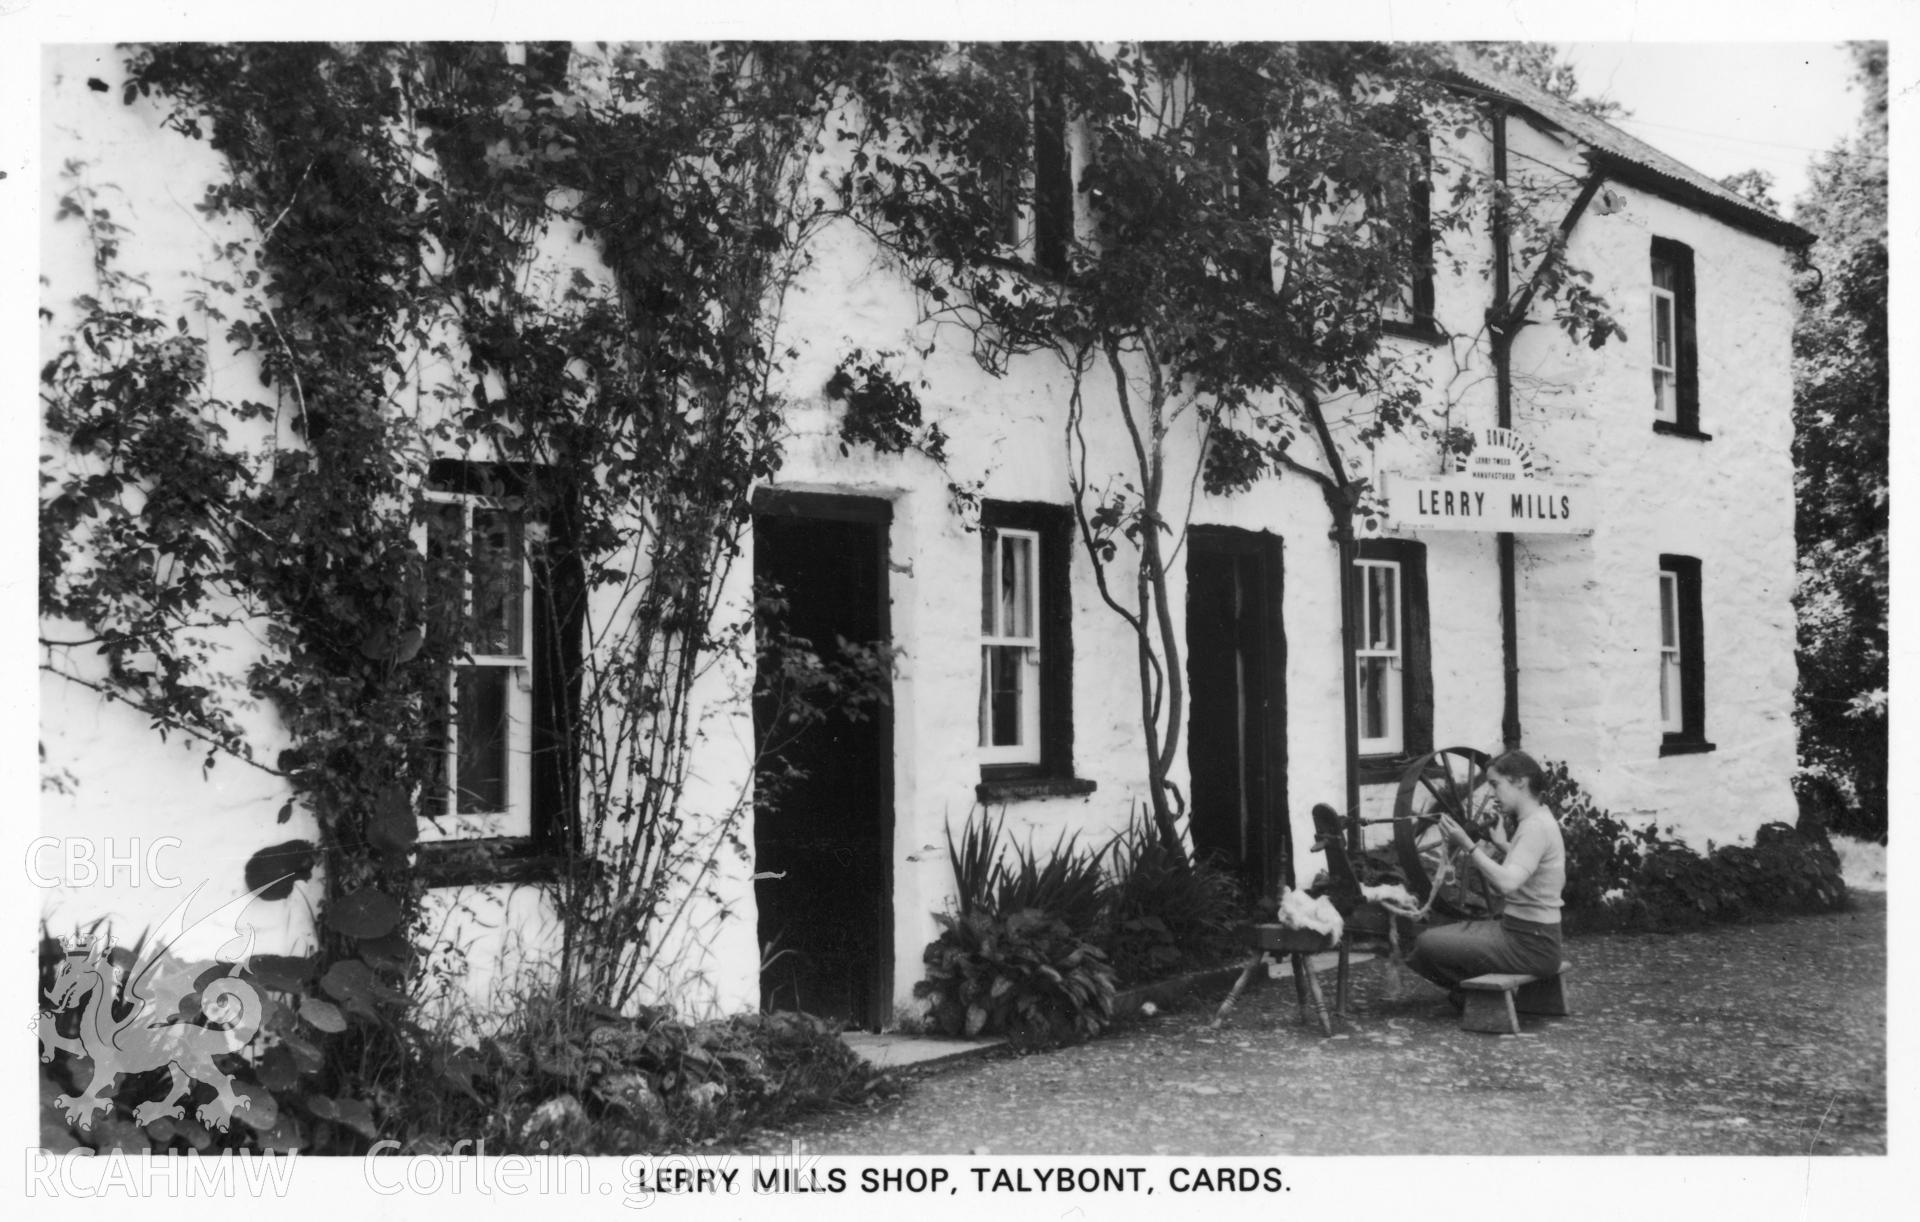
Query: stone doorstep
[893, 1049]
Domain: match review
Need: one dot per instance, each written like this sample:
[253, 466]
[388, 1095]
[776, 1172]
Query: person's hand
[1454, 833]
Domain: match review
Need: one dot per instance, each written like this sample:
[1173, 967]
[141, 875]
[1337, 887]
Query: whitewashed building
[1646, 487]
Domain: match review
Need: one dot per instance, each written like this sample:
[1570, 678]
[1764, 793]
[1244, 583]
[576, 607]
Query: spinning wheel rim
[1453, 780]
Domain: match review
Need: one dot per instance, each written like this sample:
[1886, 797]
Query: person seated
[1529, 869]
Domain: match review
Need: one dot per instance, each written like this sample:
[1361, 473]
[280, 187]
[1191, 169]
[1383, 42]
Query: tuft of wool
[1391, 894]
[1299, 911]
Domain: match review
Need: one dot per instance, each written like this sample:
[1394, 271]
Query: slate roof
[1628, 159]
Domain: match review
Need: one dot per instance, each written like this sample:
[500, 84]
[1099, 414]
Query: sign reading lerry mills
[1492, 488]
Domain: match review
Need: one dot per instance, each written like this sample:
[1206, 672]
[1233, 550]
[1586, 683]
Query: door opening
[1236, 672]
[823, 817]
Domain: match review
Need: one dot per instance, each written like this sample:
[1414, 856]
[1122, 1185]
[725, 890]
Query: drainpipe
[1504, 323]
[1339, 500]
[1502, 330]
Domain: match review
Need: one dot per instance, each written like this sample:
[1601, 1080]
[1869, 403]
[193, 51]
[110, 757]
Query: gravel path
[1760, 1039]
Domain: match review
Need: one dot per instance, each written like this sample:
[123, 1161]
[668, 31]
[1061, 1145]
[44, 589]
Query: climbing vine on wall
[388, 275]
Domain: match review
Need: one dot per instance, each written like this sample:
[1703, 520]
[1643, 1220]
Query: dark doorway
[1236, 673]
[825, 925]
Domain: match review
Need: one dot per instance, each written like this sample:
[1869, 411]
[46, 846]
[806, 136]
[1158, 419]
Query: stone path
[1761, 1039]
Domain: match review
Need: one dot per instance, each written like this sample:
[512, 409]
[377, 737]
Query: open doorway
[1236, 673]
[822, 838]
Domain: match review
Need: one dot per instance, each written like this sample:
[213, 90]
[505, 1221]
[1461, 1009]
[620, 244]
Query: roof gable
[1628, 159]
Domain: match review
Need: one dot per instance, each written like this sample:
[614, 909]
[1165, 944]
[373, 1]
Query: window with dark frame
[1043, 215]
[1683, 696]
[1412, 314]
[510, 615]
[1393, 661]
[1674, 355]
[1025, 703]
[1241, 149]
[1052, 170]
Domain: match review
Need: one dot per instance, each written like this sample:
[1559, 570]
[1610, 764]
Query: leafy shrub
[1782, 872]
[579, 1078]
[1020, 958]
[1604, 854]
[1026, 975]
[1067, 885]
[1040, 939]
[1164, 914]
[1622, 876]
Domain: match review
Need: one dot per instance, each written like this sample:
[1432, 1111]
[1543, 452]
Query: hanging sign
[1492, 488]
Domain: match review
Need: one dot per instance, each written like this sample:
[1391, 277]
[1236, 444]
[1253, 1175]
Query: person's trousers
[1448, 954]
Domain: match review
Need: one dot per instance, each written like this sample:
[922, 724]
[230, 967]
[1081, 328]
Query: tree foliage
[391, 203]
[1843, 489]
[1244, 231]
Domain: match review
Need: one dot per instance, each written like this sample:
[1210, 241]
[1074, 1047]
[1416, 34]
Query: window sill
[472, 863]
[1686, 746]
[1001, 790]
[1668, 428]
[1386, 769]
[1425, 330]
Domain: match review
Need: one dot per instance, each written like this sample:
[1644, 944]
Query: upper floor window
[1052, 170]
[1676, 381]
[1411, 311]
[1033, 192]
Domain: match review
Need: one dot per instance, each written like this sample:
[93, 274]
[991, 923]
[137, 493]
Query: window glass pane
[446, 529]
[1663, 331]
[1663, 275]
[1669, 612]
[1373, 697]
[480, 693]
[1670, 690]
[1002, 672]
[1382, 630]
[497, 573]
[989, 581]
[1016, 587]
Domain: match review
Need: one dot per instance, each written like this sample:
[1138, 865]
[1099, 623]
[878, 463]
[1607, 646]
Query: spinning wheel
[1450, 781]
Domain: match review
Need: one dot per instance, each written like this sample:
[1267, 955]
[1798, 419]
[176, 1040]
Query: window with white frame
[1010, 648]
[1379, 658]
[1683, 675]
[485, 782]
[1672, 719]
[1666, 341]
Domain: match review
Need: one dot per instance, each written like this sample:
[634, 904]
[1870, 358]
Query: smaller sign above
[1499, 454]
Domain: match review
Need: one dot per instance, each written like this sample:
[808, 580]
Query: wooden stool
[1496, 1000]
[1295, 943]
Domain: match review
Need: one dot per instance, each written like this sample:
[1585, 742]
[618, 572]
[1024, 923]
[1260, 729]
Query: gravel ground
[1741, 1040]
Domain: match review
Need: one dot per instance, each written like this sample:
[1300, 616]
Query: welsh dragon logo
[135, 1021]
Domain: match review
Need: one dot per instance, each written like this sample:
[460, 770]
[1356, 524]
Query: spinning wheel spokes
[1450, 781]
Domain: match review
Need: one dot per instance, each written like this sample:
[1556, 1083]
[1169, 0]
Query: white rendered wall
[1587, 604]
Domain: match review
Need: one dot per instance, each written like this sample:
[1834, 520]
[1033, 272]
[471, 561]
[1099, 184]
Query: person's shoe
[1457, 1000]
